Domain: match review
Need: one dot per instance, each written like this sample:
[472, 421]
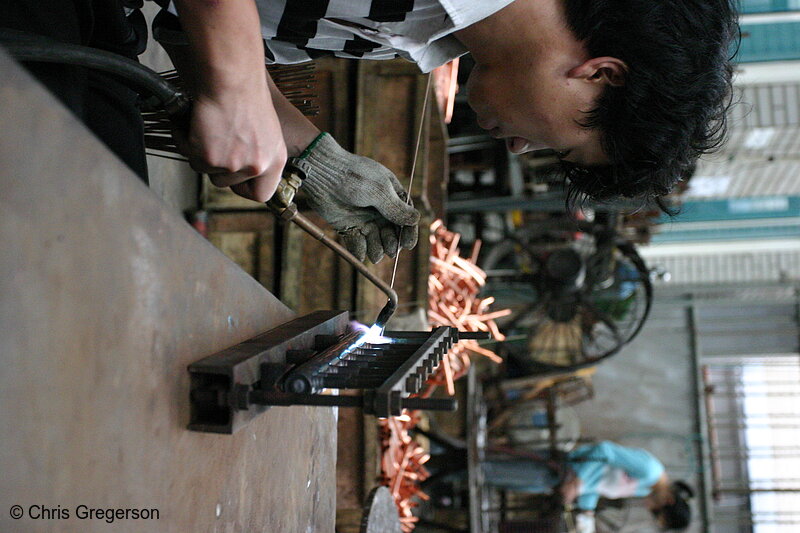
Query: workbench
[105, 297]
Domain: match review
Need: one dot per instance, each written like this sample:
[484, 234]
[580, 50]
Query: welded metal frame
[294, 363]
[215, 379]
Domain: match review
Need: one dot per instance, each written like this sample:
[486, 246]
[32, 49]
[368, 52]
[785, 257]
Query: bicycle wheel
[556, 330]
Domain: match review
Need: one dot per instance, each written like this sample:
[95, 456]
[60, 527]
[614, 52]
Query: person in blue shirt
[604, 469]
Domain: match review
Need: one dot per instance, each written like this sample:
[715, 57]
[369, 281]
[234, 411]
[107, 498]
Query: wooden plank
[291, 257]
[438, 165]
[266, 258]
[313, 277]
[254, 246]
[332, 89]
[104, 301]
[320, 273]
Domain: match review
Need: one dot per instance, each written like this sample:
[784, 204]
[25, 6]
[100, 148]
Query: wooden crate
[297, 268]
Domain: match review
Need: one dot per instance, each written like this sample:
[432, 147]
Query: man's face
[535, 108]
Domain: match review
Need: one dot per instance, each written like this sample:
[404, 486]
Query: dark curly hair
[678, 515]
[673, 105]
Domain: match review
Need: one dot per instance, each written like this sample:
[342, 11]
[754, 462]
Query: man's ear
[608, 70]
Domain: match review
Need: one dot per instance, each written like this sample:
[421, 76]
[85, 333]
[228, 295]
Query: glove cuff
[327, 163]
[313, 145]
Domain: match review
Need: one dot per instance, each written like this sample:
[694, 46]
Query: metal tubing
[313, 230]
[711, 429]
[260, 397]
[473, 335]
[27, 47]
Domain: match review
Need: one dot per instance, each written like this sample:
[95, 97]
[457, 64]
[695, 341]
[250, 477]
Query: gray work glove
[360, 198]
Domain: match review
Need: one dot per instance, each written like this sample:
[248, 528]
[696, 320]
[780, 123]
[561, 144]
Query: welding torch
[282, 204]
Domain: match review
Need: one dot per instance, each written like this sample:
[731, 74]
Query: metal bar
[746, 455]
[430, 404]
[797, 314]
[274, 398]
[758, 426]
[303, 378]
[261, 397]
[699, 415]
[421, 335]
[749, 490]
[732, 393]
[756, 384]
[552, 424]
[771, 479]
[760, 448]
[399, 376]
[733, 520]
[758, 416]
[713, 438]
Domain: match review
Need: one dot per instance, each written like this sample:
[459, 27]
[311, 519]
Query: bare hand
[570, 489]
[235, 137]
[234, 134]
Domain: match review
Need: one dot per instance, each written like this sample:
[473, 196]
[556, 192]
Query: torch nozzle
[282, 204]
[385, 314]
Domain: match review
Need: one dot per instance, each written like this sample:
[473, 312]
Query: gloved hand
[360, 198]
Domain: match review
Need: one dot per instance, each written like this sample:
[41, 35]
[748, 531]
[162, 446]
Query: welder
[627, 94]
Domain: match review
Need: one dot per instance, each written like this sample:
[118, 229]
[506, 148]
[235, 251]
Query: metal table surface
[105, 297]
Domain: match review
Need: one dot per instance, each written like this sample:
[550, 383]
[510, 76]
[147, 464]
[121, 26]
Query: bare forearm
[298, 131]
[226, 50]
[235, 135]
[225, 44]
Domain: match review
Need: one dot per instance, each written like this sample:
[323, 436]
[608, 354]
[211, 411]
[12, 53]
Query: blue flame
[372, 335]
[375, 336]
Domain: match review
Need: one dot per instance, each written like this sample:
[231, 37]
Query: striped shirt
[420, 31]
